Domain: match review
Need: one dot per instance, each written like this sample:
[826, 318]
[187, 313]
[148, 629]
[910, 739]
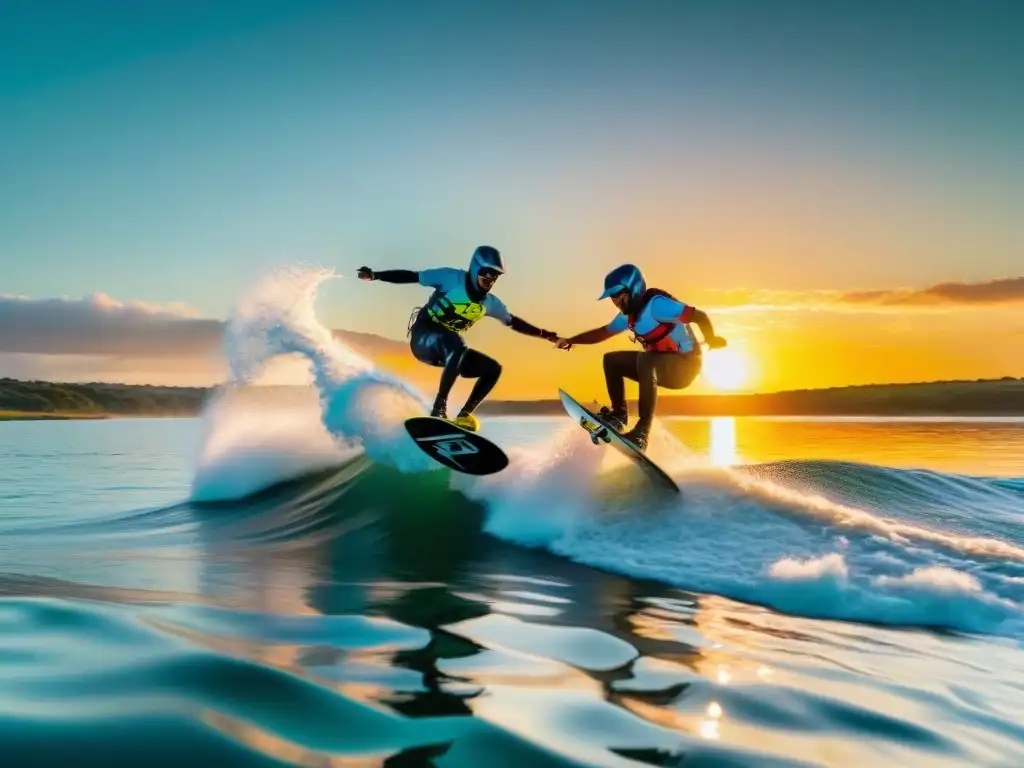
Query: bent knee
[612, 360]
[477, 364]
[679, 376]
[492, 367]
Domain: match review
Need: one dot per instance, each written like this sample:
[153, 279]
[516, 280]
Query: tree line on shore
[1003, 396]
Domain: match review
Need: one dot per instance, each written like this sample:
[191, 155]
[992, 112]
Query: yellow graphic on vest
[453, 316]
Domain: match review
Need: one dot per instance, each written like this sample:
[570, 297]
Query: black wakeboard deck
[454, 447]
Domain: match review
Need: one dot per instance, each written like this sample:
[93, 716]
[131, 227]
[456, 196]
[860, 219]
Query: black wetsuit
[435, 345]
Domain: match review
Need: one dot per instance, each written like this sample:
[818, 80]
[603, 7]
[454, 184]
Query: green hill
[44, 399]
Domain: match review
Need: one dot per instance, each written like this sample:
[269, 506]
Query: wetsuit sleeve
[496, 308]
[666, 310]
[521, 326]
[618, 324]
[441, 278]
[396, 276]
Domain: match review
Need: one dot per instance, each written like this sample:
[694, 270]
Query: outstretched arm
[496, 308]
[596, 335]
[593, 336]
[389, 275]
[519, 325]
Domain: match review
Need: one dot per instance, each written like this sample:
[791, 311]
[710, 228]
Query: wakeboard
[599, 428]
[455, 447]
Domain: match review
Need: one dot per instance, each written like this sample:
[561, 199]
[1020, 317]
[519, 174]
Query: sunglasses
[489, 274]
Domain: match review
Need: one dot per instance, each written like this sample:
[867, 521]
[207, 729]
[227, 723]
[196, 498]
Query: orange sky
[785, 348]
[780, 339]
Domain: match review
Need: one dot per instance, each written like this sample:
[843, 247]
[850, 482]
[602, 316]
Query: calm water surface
[828, 593]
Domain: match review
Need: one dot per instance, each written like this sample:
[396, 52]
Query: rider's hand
[716, 342]
[365, 273]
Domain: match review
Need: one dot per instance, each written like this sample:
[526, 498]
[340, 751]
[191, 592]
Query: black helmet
[485, 258]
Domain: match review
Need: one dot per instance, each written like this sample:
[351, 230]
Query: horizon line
[665, 395]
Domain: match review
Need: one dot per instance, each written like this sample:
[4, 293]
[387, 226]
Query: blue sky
[173, 151]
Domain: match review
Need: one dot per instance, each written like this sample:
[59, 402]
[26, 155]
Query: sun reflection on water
[722, 443]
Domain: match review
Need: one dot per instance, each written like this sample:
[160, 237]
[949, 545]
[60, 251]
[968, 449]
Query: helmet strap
[473, 289]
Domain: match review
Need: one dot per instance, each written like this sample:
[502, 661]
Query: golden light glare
[725, 369]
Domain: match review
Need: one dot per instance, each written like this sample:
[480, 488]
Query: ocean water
[290, 582]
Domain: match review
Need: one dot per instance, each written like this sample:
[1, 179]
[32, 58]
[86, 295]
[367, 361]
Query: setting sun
[725, 369]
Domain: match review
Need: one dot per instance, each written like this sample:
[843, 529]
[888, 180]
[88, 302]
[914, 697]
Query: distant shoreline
[63, 401]
[42, 400]
[984, 397]
[48, 416]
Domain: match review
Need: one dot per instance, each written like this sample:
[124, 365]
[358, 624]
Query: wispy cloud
[1000, 291]
[947, 295]
[101, 325]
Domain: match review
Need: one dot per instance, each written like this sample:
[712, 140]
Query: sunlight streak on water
[722, 446]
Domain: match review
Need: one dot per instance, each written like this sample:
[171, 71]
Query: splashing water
[729, 533]
[753, 540]
[360, 406]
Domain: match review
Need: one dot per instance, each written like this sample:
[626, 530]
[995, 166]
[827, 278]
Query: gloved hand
[716, 342]
[365, 273]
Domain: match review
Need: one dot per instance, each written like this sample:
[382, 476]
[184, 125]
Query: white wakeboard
[599, 428]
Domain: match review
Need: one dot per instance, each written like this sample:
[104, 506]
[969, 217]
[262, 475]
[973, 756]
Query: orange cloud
[999, 291]
[946, 295]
